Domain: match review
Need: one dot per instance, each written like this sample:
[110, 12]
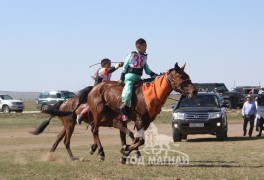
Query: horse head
[180, 81]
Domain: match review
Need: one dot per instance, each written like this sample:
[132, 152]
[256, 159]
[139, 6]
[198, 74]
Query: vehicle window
[69, 95]
[256, 91]
[199, 101]
[43, 95]
[248, 91]
[261, 101]
[6, 97]
[221, 88]
[53, 95]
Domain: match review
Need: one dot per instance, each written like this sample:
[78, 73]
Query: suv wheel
[184, 136]
[44, 107]
[177, 137]
[221, 135]
[6, 109]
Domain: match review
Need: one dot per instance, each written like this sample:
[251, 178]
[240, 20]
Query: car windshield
[261, 101]
[6, 97]
[199, 101]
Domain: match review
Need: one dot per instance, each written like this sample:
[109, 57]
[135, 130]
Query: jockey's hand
[121, 82]
[118, 65]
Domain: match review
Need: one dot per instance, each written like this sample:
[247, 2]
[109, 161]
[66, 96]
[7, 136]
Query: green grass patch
[14, 120]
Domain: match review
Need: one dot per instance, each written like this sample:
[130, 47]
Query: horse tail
[44, 124]
[83, 94]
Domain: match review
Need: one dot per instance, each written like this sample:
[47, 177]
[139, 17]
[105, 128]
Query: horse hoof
[101, 158]
[93, 148]
[138, 154]
[123, 160]
[74, 159]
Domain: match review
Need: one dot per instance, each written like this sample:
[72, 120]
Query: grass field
[24, 156]
[30, 106]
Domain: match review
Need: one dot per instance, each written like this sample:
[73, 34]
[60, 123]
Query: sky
[49, 45]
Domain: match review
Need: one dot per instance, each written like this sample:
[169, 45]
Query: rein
[174, 83]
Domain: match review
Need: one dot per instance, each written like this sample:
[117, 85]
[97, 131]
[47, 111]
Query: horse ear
[176, 67]
[183, 67]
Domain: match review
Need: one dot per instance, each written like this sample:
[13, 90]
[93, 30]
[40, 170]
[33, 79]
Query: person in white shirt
[249, 112]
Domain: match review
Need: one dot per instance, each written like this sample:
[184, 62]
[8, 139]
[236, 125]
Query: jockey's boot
[79, 119]
[125, 111]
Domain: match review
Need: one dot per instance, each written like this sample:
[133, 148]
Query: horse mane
[171, 69]
[83, 94]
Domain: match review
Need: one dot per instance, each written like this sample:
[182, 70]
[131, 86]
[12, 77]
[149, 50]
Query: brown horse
[64, 110]
[66, 113]
[105, 103]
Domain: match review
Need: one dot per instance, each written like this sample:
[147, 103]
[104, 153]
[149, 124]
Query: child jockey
[133, 67]
[102, 75]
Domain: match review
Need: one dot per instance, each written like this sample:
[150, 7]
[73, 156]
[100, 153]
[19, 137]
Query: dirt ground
[209, 159]
[109, 136]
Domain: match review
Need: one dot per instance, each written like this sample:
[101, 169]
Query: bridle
[174, 84]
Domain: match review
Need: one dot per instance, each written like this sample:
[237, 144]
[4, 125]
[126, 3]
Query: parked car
[8, 104]
[260, 103]
[48, 98]
[233, 99]
[203, 114]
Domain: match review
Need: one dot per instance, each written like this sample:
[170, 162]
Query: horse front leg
[140, 139]
[125, 146]
[122, 126]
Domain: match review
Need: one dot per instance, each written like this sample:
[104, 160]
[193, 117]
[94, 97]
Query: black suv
[233, 99]
[203, 114]
[48, 98]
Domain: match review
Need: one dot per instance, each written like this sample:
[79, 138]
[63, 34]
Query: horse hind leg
[97, 141]
[58, 140]
[93, 146]
[69, 131]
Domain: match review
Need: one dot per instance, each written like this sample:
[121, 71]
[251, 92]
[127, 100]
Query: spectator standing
[249, 112]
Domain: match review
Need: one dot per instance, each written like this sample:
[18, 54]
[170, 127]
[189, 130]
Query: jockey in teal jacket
[132, 72]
